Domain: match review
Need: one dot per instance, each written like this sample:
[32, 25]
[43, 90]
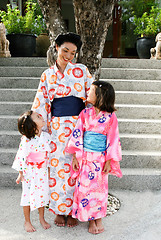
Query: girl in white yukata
[96, 149]
[32, 162]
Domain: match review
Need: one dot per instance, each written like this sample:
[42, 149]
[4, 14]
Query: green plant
[135, 7]
[149, 24]
[29, 23]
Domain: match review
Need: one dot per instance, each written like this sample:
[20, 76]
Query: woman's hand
[107, 167]
[20, 177]
[75, 163]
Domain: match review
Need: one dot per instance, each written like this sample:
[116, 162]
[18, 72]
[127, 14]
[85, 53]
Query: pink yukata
[91, 191]
[33, 159]
[75, 81]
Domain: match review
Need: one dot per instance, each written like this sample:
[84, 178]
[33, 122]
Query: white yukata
[75, 81]
[33, 159]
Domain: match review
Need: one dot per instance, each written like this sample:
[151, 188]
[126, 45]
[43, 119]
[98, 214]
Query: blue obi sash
[94, 142]
[67, 106]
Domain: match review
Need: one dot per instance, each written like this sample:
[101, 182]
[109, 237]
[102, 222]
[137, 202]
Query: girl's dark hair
[26, 125]
[69, 37]
[105, 96]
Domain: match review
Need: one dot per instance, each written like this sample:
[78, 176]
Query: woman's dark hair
[105, 96]
[26, 125]
[69, 37]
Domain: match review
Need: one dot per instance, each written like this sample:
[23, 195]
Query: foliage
[30, 23]
[149, 24]
[135, 7]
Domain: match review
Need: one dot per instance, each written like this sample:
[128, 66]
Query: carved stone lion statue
[4, 43]
[156, 52]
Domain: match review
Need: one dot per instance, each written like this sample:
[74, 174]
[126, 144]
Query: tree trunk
[55, 24]
[93, 18]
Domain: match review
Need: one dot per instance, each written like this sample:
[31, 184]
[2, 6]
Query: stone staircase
[137, 83]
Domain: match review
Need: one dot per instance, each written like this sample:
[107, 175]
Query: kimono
[91, 191]
[75, 81]
[33, 159]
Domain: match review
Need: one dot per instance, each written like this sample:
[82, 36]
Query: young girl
[32, 163]
[96, 147]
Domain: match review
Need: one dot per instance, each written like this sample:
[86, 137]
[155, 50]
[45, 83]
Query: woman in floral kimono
[96, 147]
[60, 98]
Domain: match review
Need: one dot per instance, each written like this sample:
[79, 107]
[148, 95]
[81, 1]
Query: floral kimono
[74, 82]
[33, 159]
[91, 191]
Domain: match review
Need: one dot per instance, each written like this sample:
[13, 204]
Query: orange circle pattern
[55, 196]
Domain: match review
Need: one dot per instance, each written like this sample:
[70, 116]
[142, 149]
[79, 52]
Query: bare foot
[60, 220]
[45, 224]
[99, 225]
[92, 227]
[28, 227]
[71, 222]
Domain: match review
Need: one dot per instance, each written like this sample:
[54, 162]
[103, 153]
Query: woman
[61, 96]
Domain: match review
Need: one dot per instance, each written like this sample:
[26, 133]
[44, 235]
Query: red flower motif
[77, 72]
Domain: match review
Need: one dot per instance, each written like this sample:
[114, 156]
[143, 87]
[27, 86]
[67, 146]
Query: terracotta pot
[42, 45]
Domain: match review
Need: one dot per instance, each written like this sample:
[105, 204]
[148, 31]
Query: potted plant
[22, 30]
[147, 27]
[133, 19]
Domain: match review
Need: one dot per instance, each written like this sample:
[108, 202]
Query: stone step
[27, 61]
[106, 62]
[21, 71]
[106, 73]
[138, 111]
[141, 159]
[130, 159]
[118, 84]
[139, 126]
[140, 142]
[142, 179]
[123, 110]
[133, 179]
[130, 142]
[131, 63]
[19, 82]
[133, 126]
[14, 108]
[134, 97]
[135, 85]
[125, 73]
[122, 97]
[16, 94]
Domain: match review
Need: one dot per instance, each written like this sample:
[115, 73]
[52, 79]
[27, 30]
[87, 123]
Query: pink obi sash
[37, 158]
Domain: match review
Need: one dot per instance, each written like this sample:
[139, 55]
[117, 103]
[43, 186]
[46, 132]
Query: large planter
[143, 46]
[22, 45]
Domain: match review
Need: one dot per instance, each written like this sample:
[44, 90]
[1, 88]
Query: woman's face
[66, 52]
[91, 94]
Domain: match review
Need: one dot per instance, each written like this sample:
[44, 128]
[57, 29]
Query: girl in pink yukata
[96, 149]
[32, 162]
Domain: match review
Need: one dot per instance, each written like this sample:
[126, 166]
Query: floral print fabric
[75, 81]
[35, 186]
[91, 191]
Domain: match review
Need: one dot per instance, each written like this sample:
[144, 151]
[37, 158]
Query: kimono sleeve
[113, 147]
[42, 104]
[21, 155]
[75, 143]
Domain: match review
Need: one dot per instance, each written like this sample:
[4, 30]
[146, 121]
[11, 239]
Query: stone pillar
[4, 43]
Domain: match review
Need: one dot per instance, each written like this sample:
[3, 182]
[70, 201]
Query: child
[32, 163]
[96, 147]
